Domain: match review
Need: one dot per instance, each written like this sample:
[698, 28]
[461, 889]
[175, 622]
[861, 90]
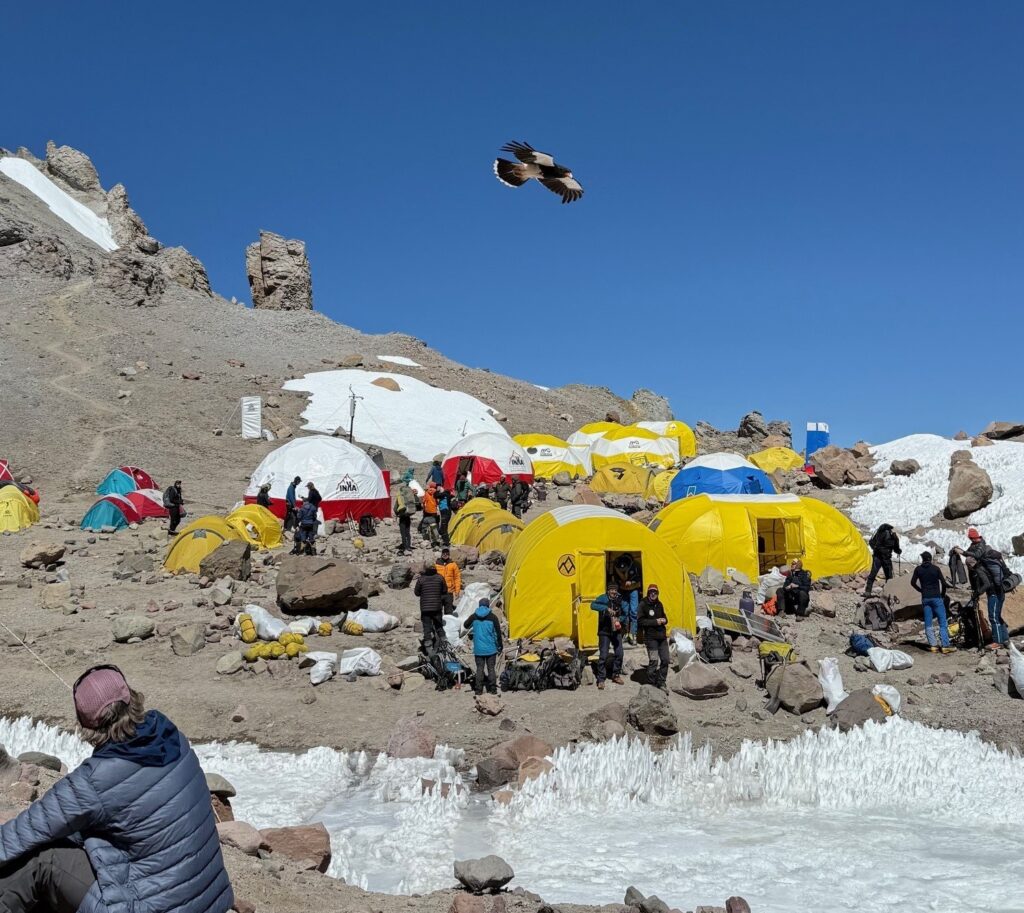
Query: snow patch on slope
[79, 217]
[399, 360]
[418, 420]
[911, 501]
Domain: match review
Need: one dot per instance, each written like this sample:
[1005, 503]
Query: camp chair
[735, 621]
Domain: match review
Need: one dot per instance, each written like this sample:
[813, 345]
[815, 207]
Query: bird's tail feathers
[510, 173]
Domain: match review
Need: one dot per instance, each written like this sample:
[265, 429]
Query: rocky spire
[279, 274]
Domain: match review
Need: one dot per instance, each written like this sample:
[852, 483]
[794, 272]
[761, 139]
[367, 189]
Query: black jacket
[647, 615]
[172, 496]
[313, 496]
[798, 580]
[263, 498]
[520, 492]
[431, 589]
[502, 492]
[928, 581]
[981, 579]
[885, 542]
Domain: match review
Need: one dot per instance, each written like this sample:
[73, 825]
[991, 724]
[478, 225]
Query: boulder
[532, 768]
[126, 224]
[351, 361]
[1017, 544]
[998, 431]
[400, 576]
[279, 274]
[72, 168]
[320, 586]
[133, 565]
[981, 441]
[752, 425]
[41, 554]
[241, 836]
[959, 456]
[187, 640]
[55, 595]
[650, 711]
[831, 464]
[307, 844]
[387, 383]
[561, 478]
[10, 769]
[219, 786]
[904, 467]
[184, 269]
[492, 772]
[465, 555]
[229, 559]
[857, 709]
[222, 810]
[605, 722]
[970, 489]
[127, 627]
[411, 739]
[230, 663]
[961, 436]
[797, 688]
[861, 450]
[736, 905]
[586, 495]
[491, 873]
[699, 682]
[489, 704]
[514, 751]
[41, 759]
[859, 475]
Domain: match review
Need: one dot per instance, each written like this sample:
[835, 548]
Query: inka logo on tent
[633, 444]
[516, 460]
[546, 452]
[346, 486]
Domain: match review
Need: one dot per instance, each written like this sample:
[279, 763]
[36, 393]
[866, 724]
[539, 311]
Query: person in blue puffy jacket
[487, 644]
[130, 830]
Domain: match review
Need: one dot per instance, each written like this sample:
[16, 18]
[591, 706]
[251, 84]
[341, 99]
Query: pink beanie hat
[96, 690]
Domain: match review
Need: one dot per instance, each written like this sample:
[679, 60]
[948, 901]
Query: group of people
[619, 618]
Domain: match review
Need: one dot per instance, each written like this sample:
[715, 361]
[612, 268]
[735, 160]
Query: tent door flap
[591, 582]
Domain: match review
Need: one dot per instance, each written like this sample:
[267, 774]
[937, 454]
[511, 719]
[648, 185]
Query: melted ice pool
[891, 817]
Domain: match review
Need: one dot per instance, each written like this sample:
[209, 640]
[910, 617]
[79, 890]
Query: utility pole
[351, 411]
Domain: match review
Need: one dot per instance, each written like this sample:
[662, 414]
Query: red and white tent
[487, 456]
[148, 502]
[351, 484]
[142, 478]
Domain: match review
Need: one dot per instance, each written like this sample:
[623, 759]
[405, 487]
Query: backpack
[876, 614]
[307, 514]
[715, 647]
[367, 526]
[168, 503]
[1011, 582]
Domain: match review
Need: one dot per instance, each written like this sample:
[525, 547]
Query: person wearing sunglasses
[131, 828]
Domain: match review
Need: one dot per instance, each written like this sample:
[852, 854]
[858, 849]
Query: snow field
[418, 420]
[892, 816]
[80, 217]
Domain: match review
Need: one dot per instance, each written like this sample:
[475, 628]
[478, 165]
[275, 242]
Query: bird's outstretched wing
[567, 188]
[526, 153]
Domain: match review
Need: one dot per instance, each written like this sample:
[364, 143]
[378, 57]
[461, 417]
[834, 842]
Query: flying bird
[540, 166]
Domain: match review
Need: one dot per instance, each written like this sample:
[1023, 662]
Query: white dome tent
[487, 457]
[350, 482]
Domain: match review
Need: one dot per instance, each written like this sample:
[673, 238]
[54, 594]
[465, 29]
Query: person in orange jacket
[452, 577]
[429, 525]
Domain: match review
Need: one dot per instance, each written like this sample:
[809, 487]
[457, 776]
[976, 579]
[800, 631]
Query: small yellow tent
[622, 479]
[630, 444]
[679, 430]
[17, 511]
[777, 458]
[560, 563]
[551, 455]
[496, 531]
[196, 541]
[754, 533]
[468, 516]
[658, 487]
[257, 524]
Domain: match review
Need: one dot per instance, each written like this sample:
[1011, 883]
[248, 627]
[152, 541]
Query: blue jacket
[142, 810]
[435, 474]
[486, 631]
[604, 605]
[289, 496]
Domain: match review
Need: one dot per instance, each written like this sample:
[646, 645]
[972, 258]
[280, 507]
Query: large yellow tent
[658, 487]
[17, 511]
[493, 531]
[754, 533]
[777, 458]
[551, 455]
[468, 516]
[679, 430]
[257, 524]
[197, 540]
[560, 563]
[622, 479]
[630, 444]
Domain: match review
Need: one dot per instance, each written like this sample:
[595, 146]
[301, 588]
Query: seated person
[795, 593]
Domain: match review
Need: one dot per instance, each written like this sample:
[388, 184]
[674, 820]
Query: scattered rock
[736, 905]
[904, 467]
[489, 704]
[649, 711]
[532, 768]
[981, 441]
[491, 873]
[128, 627]
[400, 576]
[41, 759]
[307, 844]
[411, 739]
[239, 714]
[241, 836]
[55, 595]
[699, 682]
[220, 786]
[970, 489]
[41, 554]
[561, 478]
[998, 431]
[605, 722]
[857, 709]
[797, 688]
[279, 274]
[133, 565]
[230, 663]
[188, 640]
[230, 559]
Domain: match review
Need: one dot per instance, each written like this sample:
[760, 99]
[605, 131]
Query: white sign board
[252, 417]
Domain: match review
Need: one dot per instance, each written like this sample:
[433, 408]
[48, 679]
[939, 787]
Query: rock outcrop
[279, 274]
[72, 168]
[126, 224]
[181, 267]
[649, 406]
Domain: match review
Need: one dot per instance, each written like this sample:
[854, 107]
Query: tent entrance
[465, 466]
[779, 541]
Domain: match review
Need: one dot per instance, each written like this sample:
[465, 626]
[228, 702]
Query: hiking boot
[617, 680]
[600, 686]
[949, 649]
[933, 649]
[631, 640]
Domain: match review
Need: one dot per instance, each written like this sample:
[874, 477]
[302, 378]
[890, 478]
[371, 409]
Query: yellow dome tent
[196, 541]
[17, 511]
[675, 429]
[257, 524]
[777, 458]
[754, 533]
[622, 479]
[560, 563]
[468, 516]
[630, 444]
[658, 487]
[496, 531]
[551, 455]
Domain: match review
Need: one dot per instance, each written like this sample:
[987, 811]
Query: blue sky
[810, 209]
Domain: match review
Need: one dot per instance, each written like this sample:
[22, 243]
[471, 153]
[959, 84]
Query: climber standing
[883, 544]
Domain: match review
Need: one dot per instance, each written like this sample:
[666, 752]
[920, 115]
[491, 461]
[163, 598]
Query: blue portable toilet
[818, 437]
[720, 474]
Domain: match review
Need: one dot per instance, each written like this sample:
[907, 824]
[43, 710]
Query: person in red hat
[130, 828]
[988, 571]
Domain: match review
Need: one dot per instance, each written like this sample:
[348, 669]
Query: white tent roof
[724, 460]
[339, 470]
